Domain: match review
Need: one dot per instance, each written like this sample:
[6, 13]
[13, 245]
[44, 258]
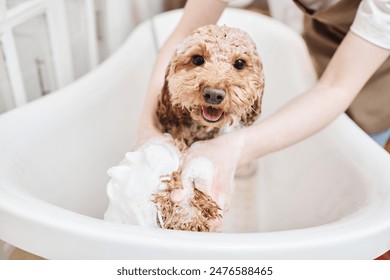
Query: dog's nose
[213, 95]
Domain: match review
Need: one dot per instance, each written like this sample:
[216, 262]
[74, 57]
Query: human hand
[211, 166]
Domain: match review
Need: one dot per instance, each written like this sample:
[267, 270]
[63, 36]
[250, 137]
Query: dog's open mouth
[212, 114]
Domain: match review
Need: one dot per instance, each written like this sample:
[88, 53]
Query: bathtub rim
[347, 231]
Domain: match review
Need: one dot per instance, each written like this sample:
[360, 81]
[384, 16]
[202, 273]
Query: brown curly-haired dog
[214, 81]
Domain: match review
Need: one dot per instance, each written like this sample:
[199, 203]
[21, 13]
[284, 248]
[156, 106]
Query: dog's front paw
[186, 208]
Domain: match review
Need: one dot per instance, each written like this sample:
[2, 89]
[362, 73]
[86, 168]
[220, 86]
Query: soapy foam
[136, 179]
[147, 172]
[199, 171]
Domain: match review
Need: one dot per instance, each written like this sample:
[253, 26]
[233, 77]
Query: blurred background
[47, 44]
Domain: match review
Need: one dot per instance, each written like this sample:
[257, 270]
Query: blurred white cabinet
[36, 56]
[46, 44]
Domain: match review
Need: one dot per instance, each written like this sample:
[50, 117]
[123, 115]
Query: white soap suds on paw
[199, 172]
[136, 179]
[150, 173]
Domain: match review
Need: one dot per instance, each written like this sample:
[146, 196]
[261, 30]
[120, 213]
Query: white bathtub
[325, 198]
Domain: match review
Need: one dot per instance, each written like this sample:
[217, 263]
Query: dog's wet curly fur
[196, 213]
[214, 80]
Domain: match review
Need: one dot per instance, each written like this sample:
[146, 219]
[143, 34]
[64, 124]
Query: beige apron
[323, 32]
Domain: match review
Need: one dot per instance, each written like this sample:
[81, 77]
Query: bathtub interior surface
[56, 151]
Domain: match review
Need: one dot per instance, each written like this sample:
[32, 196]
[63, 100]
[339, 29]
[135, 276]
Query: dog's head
[216, 75]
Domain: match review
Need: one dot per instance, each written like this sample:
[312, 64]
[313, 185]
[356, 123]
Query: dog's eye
[198, 60]
[239, 64]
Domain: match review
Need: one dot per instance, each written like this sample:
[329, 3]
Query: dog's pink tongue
[212, 114]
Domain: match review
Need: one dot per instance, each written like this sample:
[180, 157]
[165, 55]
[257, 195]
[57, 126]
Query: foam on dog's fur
[146, 189]
[135, 180]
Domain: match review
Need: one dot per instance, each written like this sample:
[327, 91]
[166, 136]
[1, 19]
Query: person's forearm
[299, 119]
[353, 64]
[146, 126]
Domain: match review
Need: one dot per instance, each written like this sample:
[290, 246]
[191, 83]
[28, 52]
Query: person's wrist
[243, 147]
[146, 131]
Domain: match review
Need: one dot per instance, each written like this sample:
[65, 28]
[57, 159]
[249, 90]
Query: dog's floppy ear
[254, 113]
[169, 116]
[164, 107]
[251, 116]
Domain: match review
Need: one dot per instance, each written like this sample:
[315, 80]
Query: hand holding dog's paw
[211, 165]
